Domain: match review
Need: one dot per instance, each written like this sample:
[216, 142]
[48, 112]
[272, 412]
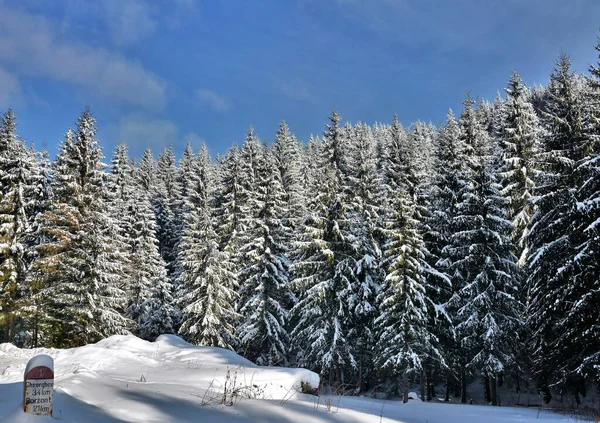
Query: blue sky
[165, 71]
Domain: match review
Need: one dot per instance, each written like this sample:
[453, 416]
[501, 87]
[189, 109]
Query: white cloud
[139, 132]
[129, 21]
[10, 89]
[296, 89]
[425, 22]
[194, 139]
[213, 100]
[29, 44]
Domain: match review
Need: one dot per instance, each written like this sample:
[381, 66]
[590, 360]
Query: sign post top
[41, 360]
[38, 386]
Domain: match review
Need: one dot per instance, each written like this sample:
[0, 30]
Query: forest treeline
[377, 256]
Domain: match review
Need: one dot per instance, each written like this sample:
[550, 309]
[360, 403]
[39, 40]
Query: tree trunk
[487, 397]
[456, 386]
[405, 387]
[35, 330]
[360, 375]
[447, 397]
[430, 386]
[423, 385]
[463, 386]
[331, 371]
[493, 390]
[7, 320]
[547, 395]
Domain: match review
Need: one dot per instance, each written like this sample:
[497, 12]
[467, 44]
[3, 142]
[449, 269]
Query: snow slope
[125, 379]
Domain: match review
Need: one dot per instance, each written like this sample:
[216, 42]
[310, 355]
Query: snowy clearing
[126, 379]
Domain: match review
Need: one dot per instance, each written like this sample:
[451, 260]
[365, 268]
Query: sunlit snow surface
[125, 379]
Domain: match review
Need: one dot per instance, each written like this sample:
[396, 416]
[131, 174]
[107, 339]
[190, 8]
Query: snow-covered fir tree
[22, 197]
[449, 180]
[265, 292]
[487, 316]
[148, 287]
[249, 202]
[519, 134]
[405, 342]
[552, 245]
[167, 207]
[81, 260]
[364, 213]
[207, 281]
[232, 209]
[287, 152]
[586, 239]
[147, 172]
[186, 172]
[325, 271]
[563, 264]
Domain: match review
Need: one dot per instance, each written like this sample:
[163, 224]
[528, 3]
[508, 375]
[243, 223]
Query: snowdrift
[125, 367]
[125, 379]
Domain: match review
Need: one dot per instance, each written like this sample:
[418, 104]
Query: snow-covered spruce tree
[582, 326]
[405, 341]
[519, 136]
[34, 322]
[364, 217]
[309, 174]
[194, 171]
[249, 202]
[207, 280]
[120, 181]
[498, 117]
[119, 191]
[186, 172]
[575, 176]
[555, 295]
[21, 195]
[13, 224]
[167, 205]
[382, 134]
[324, 273]
[146, 173]
[287, 152]
[232, 209]
[81, 260]
[420, 144]
[148, 288]
[265, 293]
[448, 180]
[488, 313]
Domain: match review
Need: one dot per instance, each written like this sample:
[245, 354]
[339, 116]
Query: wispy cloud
[140, 131]
[194, 139]
[446, 26]
[29, 45]
[130, 22]
[10, 89]
[296, 89]
[212, 99]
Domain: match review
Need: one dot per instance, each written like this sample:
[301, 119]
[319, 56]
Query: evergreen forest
[379, 256]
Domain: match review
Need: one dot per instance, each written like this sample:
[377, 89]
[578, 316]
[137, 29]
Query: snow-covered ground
[125, 379]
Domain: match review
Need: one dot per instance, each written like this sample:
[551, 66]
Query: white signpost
[38, 386]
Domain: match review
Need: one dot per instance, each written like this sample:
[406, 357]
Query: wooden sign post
[38, 389]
